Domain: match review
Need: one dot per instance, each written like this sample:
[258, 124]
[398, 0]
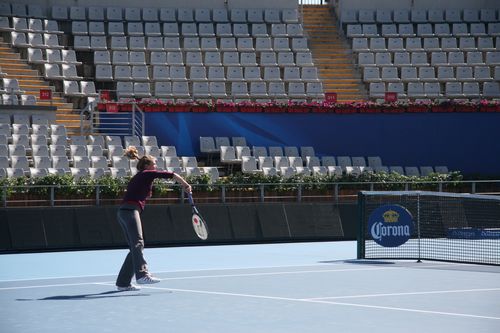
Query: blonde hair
[142, 162]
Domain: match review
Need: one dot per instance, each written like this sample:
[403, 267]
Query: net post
[361, 226]
[418, 227]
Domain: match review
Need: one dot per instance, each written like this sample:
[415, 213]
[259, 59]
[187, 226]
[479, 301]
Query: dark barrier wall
[72, 228]
[461, 141]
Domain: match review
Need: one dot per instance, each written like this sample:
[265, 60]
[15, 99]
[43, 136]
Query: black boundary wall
[81, 228]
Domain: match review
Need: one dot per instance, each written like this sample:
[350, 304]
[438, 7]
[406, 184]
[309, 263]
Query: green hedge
[114, 187]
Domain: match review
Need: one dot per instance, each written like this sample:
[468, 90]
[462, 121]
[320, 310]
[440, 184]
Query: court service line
[405, 294]
[323, 302]
[216, 276]
[51, 286]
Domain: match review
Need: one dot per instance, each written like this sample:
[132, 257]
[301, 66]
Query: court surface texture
[288, 287]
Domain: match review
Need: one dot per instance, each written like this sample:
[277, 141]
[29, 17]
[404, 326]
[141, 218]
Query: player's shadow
[106, 294]
[359, 262]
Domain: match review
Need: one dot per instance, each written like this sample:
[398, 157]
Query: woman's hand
[178, 178]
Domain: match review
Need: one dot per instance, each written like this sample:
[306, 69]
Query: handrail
[46, 195]
[112, 123]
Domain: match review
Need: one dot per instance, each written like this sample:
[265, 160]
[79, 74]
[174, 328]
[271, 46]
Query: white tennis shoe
[132, 287]
[148, 279]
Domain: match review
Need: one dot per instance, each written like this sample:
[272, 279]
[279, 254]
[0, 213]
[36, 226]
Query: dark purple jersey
[141, 185]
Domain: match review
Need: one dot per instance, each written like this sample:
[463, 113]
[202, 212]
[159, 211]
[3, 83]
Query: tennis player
[138, 190]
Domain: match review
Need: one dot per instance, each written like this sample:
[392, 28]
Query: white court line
[404, 294]
[52, 286]
[321, 302]
[224, 275]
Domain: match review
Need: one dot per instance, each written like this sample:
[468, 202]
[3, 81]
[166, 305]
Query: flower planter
[250, 108]
[397, 109]
[298, 109]
[126, 107]
[101, 107]
[442, 108]
[370, 110]
[346, 110]
[225, 108]
[200, 108]
[489, 108]
[466, 108]
[180, 108]
[275, 109]
[417, 108]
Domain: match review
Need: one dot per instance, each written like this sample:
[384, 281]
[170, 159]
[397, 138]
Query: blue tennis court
[295, 287]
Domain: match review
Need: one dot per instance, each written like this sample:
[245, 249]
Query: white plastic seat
[197, 73]
[296, 90]
[389, 74]
[432, 90]
[209, 44]
[152, 29]
[263, 44]
[228, 44]
[491, 90]
[258, 90]
[217, 90]
[116, 29]
[248, 59]
[194, 59]
[137, 43]
[170, 29]
[287, 59]
[230, 59]
[158, 58]
[180, 89]
[234, 73]
[119, 43]
[163, 89]
[206, 30]
[175, 58]
[445, 74]
[223, 30]
[272, 74]
[240, 30]
[178, 73]
[216, 73]
[460, 29]
[104, 73]
[471, 89]
[142, 89]
[239, 89]
[168, 14]
[377, 90]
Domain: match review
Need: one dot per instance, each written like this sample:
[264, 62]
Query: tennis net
[429, 225]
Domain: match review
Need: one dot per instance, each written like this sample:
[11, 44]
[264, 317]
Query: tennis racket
[199, 225]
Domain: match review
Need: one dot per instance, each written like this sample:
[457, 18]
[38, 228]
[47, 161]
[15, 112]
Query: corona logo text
[390, 225]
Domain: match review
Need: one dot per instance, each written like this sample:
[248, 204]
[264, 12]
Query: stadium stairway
[30, 81]
[332, 54]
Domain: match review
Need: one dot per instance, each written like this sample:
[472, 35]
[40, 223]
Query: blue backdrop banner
[469, 142]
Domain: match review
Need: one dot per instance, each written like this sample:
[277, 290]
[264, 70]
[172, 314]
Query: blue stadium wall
[469, 142]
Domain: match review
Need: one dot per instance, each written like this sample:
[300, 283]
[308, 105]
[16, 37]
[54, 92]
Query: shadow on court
[106, 294]
[359, 262]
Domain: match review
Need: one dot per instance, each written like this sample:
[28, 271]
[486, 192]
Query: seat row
[423, 58]
[11, 99]
[412, 44]
[219, 90]
[198, 72]
[149, 14]
[418, 90]
[25, 119]
[174, 29]
[141, 43]
[423, 30]
[428, 74]
[418, 15]
[29, 25]
[208, 58]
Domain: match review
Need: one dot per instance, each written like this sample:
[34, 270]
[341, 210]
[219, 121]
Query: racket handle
[190, 199]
